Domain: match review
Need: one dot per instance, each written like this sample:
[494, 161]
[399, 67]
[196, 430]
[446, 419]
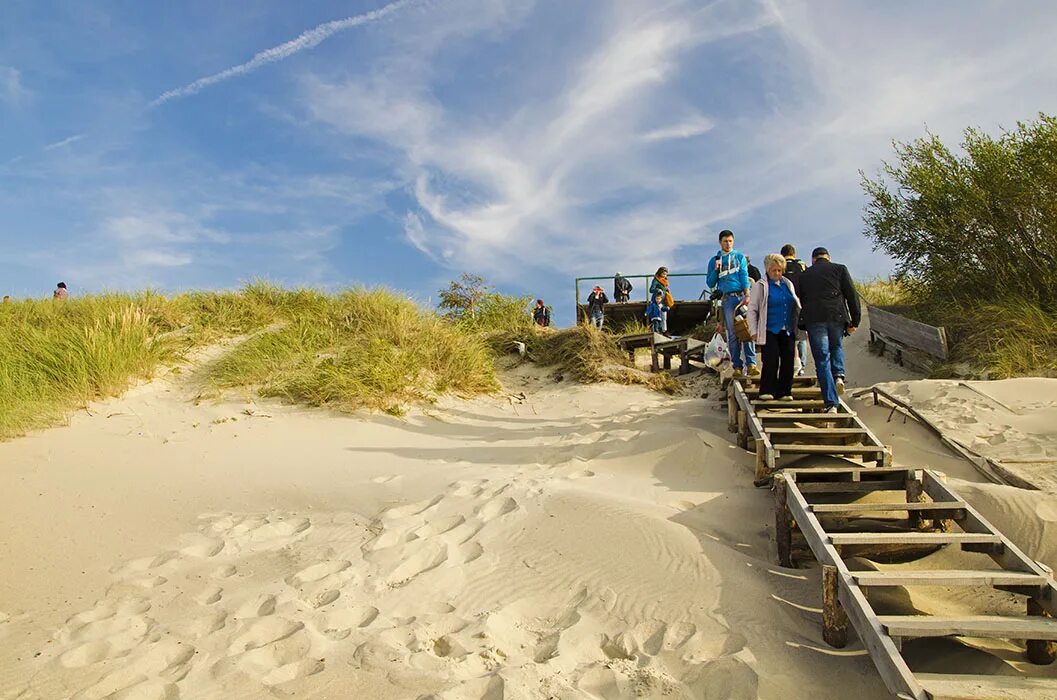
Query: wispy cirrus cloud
[64, 142]
[306, 40]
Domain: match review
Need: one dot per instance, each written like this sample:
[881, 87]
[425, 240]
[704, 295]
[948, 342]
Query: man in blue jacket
[728, 271]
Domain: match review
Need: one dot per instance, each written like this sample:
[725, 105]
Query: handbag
[741, 327]
[669, 300]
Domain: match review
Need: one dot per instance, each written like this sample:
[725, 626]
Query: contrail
[64, 142]
[307, 40]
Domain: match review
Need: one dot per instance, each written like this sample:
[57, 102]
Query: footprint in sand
[209, 596]
[429, 556]
[340, 623]
[317, 572]
[500, 505]
[261, 606]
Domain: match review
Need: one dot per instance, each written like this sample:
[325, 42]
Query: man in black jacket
[830, 311]
[621, 288]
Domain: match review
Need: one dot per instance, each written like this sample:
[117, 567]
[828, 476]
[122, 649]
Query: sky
[202, 145]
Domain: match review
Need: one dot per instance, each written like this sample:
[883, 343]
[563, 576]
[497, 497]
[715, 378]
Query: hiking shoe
[787, 397]
[737, 373]
[840, 386]
[800, 372]
[766, 397]
[754, 371]
[831, 409]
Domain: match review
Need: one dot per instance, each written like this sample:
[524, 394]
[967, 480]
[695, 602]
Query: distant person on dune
[773, 314]
[7, 299]
[830, 311]
[596, 302]
[655, 311]
[541, 314]
[60, 292]
[728, 273]
[793, 267]
[621, 288]
[659, 283]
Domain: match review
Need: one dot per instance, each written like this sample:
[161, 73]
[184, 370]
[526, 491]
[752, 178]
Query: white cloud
[683, 130]
[11, 89]
[307, 40]
[64, 142]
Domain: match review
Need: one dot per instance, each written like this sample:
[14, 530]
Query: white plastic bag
[716, 351]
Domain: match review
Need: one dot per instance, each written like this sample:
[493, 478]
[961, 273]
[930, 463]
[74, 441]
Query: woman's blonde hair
[773, 260]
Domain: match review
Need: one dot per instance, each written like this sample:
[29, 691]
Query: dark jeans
[776, 378]
[827, 349]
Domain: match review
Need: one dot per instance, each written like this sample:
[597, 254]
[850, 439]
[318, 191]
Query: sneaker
[754, 371]
[831, 409]
[785, 398]
[737, 373]
[840, 386]
[800, 372]
[766, 397]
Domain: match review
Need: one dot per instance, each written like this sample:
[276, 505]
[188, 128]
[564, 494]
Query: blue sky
[201, 145]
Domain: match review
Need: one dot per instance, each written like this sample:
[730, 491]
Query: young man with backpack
[728, 272]
[793, 267]
[830, 311]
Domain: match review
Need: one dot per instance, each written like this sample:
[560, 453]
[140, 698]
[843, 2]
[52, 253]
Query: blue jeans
[735, 345]
[801, 351]
[827, 349]
[597, 318]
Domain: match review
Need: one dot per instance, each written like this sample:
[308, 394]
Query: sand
[553, 541]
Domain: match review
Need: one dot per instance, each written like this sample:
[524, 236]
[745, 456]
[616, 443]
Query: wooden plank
[974, 687]
[795, 403]
[850, 538]
[829, 449]
[804, 417]
[888, 507]
[816, 432]
[797, 392]
[939, 577]
[913, 334]
[805, 380]
[849, 486]
[970, 626]
[855, 472]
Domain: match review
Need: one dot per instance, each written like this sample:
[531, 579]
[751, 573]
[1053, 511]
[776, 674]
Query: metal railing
[643, 290]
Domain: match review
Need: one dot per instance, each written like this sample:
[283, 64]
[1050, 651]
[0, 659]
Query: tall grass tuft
[54, 356]
[359, 349]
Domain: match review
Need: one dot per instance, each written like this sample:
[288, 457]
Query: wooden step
[829, 449]
[849, 470]
[955, 577]
[970, 626]
[799, 416]
[942, 686]
[816, 432]
[885, 507]
[797, 381]
[795, 403]
[846, 538]
[850, 486]
[797, 391]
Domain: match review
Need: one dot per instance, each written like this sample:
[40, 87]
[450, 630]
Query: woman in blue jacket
[774, 311]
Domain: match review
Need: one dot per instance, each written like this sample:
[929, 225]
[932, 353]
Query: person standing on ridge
[655, 311]
[830, 311]
[728, 273]
[659, 283]
[621, 288]
[793, 267]
[596, 302]
[541, 314]
[60, 292]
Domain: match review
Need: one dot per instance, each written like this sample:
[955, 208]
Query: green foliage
[883, 292]
[463, 297]
[978, 227]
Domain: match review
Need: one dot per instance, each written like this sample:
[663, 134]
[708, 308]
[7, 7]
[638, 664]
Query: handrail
[633, 277]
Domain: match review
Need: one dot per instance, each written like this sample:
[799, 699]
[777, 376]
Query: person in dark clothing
[754, 272]
[596, 302]
[793, 267]
[621, 288]
[830, 311]
[541, 314]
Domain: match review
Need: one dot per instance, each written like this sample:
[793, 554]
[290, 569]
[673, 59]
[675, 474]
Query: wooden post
[732, 411]
[1040, 651]
[667, 360]
[743, 430]
[783, 529]
[915, 494]
[834, 619]
[684, 361]
[762, 472]
[654, 367]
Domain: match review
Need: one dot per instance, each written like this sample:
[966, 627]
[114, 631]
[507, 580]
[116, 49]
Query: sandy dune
[558, 541]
